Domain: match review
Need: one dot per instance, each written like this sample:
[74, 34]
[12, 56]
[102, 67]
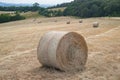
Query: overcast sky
[39, 1]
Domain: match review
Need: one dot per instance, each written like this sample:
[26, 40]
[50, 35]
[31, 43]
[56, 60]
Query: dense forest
[93, 8]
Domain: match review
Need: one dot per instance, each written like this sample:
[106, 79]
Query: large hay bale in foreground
[95, 24]
[66, 51]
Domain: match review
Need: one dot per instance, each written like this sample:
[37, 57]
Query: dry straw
[66, 51]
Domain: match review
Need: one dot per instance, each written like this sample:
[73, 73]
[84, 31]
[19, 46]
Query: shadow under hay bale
[51, 69]
[66, 51]
[95, 24]
[68, 22]
[54, 69]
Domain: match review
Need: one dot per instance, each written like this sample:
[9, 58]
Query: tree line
[35, 7]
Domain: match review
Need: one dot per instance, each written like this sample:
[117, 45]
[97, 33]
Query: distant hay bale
[40, 22]
[66, 51]
[68, 22]
[80, 21]
[34, 19]
[55, 21]
[95, 24]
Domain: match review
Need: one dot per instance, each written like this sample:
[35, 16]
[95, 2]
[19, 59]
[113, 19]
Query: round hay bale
[55, 21]
[80, 21]
[39, 22]
[95, 24]
[68, 22]
[66, 51]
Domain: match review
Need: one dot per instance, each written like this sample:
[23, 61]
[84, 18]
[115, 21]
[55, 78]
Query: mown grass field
[19, 41]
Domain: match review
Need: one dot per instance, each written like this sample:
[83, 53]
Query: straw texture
[66, 51]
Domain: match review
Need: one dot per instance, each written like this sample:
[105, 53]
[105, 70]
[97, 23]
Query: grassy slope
[31, 14]
[56, 9]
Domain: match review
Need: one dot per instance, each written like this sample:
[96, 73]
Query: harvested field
[19, 41]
